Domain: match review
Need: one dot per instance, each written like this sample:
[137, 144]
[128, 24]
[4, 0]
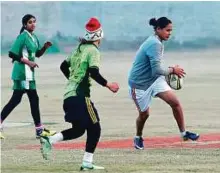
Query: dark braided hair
[161, 23]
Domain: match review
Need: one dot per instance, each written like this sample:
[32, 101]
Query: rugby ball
[174, 81]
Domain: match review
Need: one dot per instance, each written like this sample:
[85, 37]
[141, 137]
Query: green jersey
[24, 46]
[79, 80]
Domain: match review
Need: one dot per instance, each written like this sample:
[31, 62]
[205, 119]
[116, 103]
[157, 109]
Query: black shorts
[80, 109]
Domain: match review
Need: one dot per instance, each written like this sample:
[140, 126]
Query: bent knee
[144, 115]
[81, 131]
[174, 103]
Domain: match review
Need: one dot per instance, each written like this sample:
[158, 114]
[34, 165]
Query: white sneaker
[89, 166]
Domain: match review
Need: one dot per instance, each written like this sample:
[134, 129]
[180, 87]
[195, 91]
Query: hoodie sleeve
[155, 54]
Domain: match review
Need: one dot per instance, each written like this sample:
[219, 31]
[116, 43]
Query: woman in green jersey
[23, 52]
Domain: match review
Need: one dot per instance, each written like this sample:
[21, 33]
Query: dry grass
[200, 98]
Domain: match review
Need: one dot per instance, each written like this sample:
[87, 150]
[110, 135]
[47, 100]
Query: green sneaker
[46, 147]
[89, 166]
[44, 132]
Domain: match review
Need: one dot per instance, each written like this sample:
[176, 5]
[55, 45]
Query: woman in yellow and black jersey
[81, 65]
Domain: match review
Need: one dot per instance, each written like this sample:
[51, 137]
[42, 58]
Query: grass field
[164, 152]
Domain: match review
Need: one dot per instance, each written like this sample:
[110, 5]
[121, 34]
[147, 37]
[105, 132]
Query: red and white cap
[94, 30]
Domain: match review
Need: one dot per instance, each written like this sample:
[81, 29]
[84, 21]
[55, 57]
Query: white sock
[56, 138]
[88, 157]
[137, 137]
[183, 133]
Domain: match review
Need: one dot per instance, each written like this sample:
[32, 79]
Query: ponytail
[83, 41]
[22, 29]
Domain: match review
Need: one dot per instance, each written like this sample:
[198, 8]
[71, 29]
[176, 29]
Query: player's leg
[142, 101]
[93, 135]
[140, 122]
[170, 98]
[35, 112]
[76, 131]
[13, 102]
[75, 113]
[164, 92]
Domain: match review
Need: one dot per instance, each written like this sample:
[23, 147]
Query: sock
[39, 127]
[183, 133]
[88, 157]
[137, 137]
[56, 138]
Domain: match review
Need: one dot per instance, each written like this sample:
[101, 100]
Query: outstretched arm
[94, 73]
[155, 54]
[40, 52]
[94, 61]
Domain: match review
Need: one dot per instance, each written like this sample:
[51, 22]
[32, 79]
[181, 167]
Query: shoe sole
[89, 169]
[186, 139]
[44, 154]
[138, 148]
